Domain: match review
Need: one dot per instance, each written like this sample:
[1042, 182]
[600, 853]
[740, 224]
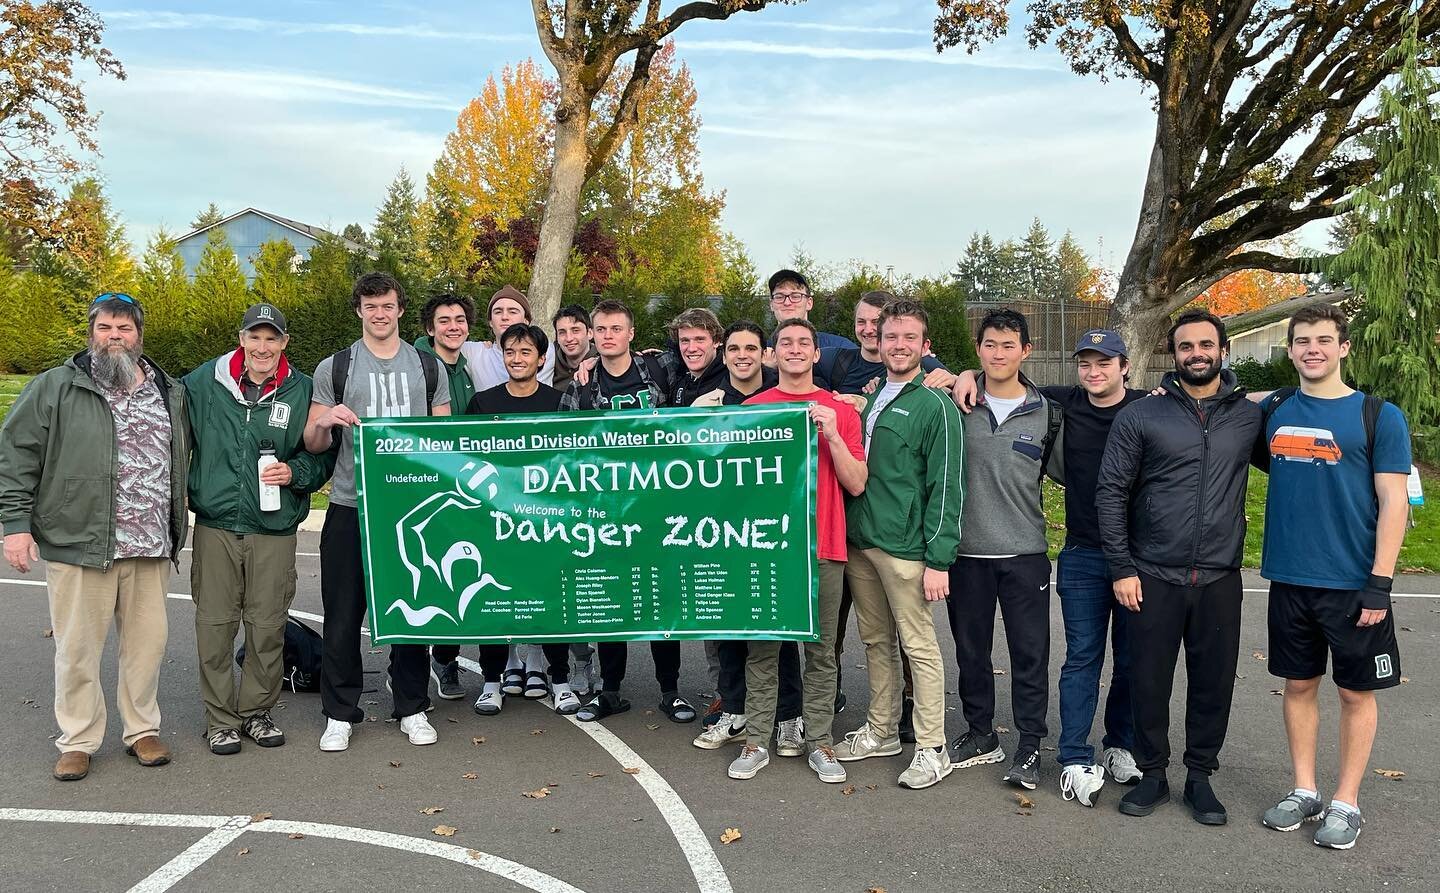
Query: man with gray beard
[93, 462]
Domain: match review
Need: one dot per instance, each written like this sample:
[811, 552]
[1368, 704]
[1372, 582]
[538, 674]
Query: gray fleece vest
[1002, 480]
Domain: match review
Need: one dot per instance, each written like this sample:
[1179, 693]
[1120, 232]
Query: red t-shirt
[829, 500]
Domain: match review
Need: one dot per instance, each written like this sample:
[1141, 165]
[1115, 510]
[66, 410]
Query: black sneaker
[1025, 772]
[972, 749]
[907, 721]
[1152, 792]
[447, 679]
[1205, 807]
[840, 702]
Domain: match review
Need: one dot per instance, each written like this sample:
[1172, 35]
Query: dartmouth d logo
[417, 555]
[1384, 669]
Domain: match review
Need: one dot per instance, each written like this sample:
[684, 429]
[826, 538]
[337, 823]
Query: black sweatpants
[614, 654]
[1021, 586]
[494, 657]
[342, 592]
[1207, 620]
[733, 654]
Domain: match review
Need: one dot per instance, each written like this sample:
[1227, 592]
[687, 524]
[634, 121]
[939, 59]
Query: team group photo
[544, 535]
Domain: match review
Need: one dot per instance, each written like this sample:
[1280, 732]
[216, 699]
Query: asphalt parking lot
[296, 818]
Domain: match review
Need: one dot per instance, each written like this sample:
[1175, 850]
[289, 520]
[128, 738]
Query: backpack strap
[1054, 419]
[1260, 453]
[339, 376]
[1371, 412]
[431, 364]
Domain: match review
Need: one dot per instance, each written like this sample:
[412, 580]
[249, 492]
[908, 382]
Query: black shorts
[1306, 622]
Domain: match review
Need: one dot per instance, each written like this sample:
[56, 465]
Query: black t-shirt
[859, 372]
[629, 390]
[768, 379]
[1086, 429]
[499, 401]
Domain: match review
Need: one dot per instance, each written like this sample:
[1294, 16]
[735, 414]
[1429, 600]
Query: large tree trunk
[562, 210]
[1143, 299]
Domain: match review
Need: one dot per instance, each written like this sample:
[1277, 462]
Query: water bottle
[269, 493]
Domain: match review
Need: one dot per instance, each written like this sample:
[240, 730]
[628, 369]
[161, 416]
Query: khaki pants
[762, 671]
[240, 579]
[889, 598]
[83, 602]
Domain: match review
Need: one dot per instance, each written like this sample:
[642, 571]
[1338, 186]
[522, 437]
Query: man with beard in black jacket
[1171, 500]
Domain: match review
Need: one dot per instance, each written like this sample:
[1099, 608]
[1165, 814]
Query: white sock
[1344, 808]
[1306, 792]
[514, 661]
[491, 688]
[559, 688]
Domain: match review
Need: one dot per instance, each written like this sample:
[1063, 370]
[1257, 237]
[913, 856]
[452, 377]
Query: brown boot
[73, 765]
[150, 751]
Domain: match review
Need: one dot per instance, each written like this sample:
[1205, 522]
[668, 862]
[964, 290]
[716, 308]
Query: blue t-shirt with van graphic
[1321, 510]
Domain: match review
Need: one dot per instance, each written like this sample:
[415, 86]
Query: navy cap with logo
[1105, 341]
[264, 315]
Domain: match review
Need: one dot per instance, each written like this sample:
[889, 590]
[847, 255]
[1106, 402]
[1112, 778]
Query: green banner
[642, 524]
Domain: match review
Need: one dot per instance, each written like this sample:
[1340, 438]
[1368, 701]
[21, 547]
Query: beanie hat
[513, 294]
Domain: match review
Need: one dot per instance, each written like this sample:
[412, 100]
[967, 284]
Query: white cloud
[914, 55]
[283, 86]
[831, 27]
[156, 20]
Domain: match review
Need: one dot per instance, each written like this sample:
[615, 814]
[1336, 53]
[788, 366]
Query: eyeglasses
[789, 297]
[115, 296]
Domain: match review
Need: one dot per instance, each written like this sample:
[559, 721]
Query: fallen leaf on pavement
[478, 740]
[451, 719]
[469, 776]
[1024, 801]
[632, 770]
[244, 851]
[875, 890]
[444, 830]
[537, 731]
[536, 795]
[1404, 680]
[394, 764]
[651, 727]
[261, 816]
[848, 790]
[998, 672]
[475, 854]
[596, 774]
[729, 836]
[1258, 655]
[297, 836]
[872, 787]
[1002, 730]
[1390, 773]
[554, 830]
[1278, 691]
[1406, 629]
[431, 810]
[50, 634]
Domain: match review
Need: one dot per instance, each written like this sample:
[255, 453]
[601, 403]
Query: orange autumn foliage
[1249, 290]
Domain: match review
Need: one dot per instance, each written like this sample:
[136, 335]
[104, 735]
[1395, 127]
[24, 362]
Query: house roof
[1240, 323]
[304, 229]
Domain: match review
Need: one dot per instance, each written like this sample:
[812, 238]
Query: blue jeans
[1088, 605]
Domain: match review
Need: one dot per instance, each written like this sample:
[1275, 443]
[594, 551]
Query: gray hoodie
[1002, 475]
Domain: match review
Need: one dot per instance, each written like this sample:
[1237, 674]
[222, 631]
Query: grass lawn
[1419, 555]
[10, 386]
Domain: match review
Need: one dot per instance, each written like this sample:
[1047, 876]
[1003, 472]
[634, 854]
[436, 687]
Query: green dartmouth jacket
[58, 465]
[227, 431]
[916, 488]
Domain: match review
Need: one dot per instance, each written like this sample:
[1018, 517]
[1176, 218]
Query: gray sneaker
[224, 742]
[790, 738]
[751, 760]
[822, 760]
[447, 679]
[928, 768]
[262, 730]
[1292, 812]
[1339, 830]
[863, 743]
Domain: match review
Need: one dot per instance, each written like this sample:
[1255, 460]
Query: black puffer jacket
[1171, 495]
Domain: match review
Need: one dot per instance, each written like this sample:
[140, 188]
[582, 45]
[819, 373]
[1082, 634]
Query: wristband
[1376, 594]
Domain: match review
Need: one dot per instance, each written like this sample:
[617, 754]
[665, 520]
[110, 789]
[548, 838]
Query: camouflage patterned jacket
[57, 465]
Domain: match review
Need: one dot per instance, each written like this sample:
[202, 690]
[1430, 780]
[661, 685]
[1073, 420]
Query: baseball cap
[788, 276]
[264, 315]
[1105, 341]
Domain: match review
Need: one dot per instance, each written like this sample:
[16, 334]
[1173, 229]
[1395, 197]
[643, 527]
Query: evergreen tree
[277, 279]
[394, 232]
[218, 292]
[1392, 262]
[1072, 269]
[208, 217]
[164, 291]
[950, 337]
[323, 320]
[1035, 264]
[739, 286]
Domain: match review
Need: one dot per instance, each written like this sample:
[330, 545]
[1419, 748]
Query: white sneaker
[730, 727]
[928, 768]
[336, 736]
[1120, 763]
[1082, 783]
[418, 729]
[790, 738]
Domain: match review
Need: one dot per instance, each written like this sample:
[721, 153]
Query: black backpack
[1260, 455]
[303, 647]
[340, 374]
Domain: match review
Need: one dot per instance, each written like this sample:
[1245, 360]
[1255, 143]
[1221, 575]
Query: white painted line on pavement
[197, 854]
[225, 829]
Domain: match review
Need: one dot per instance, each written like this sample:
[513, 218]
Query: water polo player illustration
[418, 556]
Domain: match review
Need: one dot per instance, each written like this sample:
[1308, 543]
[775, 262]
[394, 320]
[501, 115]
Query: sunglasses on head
[115, 296]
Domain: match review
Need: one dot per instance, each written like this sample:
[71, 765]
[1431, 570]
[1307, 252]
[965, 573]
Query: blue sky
[832, 123]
